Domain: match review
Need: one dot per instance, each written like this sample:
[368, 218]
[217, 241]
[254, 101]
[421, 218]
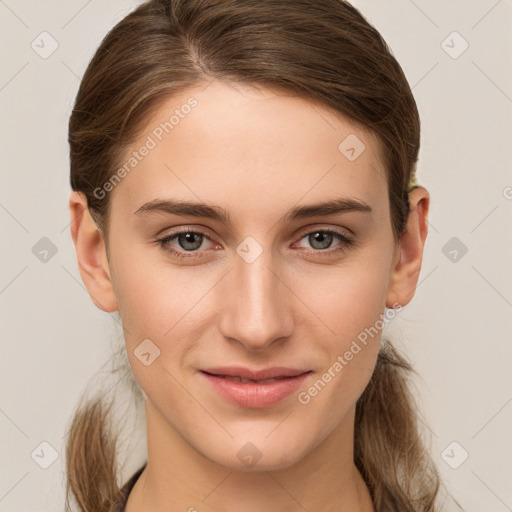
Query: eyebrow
[216, 213]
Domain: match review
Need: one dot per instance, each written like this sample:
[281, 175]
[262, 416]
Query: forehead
[236, 144]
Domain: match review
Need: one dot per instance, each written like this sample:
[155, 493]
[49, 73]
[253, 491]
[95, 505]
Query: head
[258, 113]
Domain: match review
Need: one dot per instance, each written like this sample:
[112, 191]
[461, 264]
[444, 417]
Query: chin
[257, 456]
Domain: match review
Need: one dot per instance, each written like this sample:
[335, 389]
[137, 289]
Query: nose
[257, 304]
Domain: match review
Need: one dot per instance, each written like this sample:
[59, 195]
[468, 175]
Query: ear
[406, 270]
[91, 254]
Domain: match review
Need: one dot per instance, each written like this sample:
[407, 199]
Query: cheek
[157, 304]
[163, 304]
[348, 298]
[350, 302]
[144, 303]
[152, 296]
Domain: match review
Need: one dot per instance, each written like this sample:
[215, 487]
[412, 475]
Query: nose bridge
[258, 310]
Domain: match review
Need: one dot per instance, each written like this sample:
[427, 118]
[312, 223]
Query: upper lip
[247, 373]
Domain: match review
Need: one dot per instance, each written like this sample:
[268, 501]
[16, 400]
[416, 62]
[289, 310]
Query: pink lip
[255, 394]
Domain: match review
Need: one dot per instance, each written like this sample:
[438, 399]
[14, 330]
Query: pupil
[189, 239]
[323, 238]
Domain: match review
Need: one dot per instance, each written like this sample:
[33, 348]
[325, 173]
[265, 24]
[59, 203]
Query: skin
[256, 153]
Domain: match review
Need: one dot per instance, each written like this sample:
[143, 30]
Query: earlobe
[91, 254]
[406, 271]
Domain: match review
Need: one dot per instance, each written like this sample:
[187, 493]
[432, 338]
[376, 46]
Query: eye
[321, 241]
[188, 242]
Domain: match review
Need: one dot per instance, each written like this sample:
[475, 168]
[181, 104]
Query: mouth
[255, 375]
[254, 388]
[247, 381]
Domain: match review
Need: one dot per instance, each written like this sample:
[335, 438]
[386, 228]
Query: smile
[254, 392]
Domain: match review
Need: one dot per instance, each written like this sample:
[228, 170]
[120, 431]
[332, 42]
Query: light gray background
[457, 331]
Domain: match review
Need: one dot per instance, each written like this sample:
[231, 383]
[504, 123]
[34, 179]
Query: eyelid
[195, 230]
[301, 233]
[345, 240]
[322, 227]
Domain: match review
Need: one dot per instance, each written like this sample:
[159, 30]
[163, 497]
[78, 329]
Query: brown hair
[323, 50]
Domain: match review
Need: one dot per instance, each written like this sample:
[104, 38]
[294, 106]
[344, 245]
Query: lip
[254, 394]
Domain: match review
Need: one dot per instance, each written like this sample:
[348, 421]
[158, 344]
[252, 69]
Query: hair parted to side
[323, 50]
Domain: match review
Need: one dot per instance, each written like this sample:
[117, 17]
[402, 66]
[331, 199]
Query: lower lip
[255, 395]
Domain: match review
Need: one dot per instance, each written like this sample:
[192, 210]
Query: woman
[244, 195]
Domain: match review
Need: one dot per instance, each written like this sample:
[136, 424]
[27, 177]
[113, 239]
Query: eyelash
[347, 242]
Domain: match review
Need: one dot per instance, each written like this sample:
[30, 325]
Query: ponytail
[91, 458]
[107, 416]
[388, 449]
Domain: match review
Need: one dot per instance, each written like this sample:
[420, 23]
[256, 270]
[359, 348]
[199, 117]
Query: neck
[178, 477]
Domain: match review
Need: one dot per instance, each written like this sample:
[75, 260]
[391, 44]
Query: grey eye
[191, 241]
[320, 239]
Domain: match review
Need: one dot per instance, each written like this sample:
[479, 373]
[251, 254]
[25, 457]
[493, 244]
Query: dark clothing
[125, 491]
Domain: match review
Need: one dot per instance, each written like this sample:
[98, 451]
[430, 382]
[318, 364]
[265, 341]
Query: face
[254, 277]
